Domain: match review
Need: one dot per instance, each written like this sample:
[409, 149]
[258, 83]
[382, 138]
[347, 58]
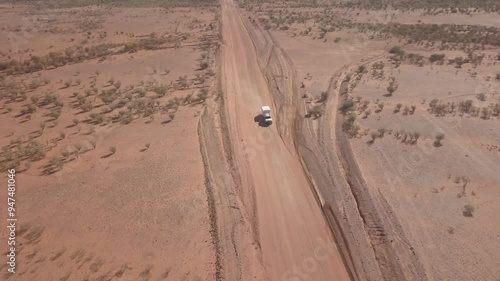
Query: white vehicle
[266, 113]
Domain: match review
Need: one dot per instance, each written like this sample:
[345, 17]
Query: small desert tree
[347, 106]
[203, 65]
[362, 69]
[323, 97]
[56, 164]
[380, 107]
[315, 111]
[439, 137]
[414, 137]
[393, 86]
[78, 148]
[468, 211]
[202, 95]
[160, 90]
[183, 82]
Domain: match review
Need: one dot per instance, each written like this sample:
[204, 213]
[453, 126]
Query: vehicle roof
[265, 107]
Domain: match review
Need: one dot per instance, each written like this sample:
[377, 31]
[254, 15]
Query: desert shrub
[65, 154]
[160, 90]
[323, 96]
[458, 61]
[436, 57]
[86, 107]
[468, 211]
[35, 84]
[398, 107]
[183, 82]
[347, 105]
[380, 107]
[200, 78]
[438, 138]
[481, 96]
[486, 113]
[362, 69]
[30, 108]
[55, 113]
[374, 135]
[393, 86]
[382, 132]
[55, 164]
[495, 110]
[202, 95]
[203, 65]
[34, 99]
[396, 50]
[315, 111]
[188, 98]
[414, 136]
[349, 127]
[465, 106]
[378, 65]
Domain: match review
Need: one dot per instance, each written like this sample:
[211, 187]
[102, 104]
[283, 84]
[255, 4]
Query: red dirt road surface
[295, 240]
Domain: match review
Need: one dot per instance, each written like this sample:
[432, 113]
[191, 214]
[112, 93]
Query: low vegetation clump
[347, 106]
[468, 211]
[445, 33]
[349, 126]
[438, 138]
[315, 112]
[79, 54]
[431, 7]
[442, 109]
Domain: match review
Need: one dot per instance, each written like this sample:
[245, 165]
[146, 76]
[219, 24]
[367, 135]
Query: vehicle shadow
[261, 121]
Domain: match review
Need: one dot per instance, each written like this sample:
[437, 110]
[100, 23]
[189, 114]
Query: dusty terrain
[134, 129]
[111, 181]
[420, 196]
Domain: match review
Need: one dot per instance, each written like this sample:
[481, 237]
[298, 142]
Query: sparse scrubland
[397, 101]
[98, 99]
[418, 105]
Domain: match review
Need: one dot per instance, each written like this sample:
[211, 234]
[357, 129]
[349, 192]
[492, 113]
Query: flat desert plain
[135, 131]
[103, 134]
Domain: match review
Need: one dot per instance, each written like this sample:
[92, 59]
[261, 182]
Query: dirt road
[294, 239]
